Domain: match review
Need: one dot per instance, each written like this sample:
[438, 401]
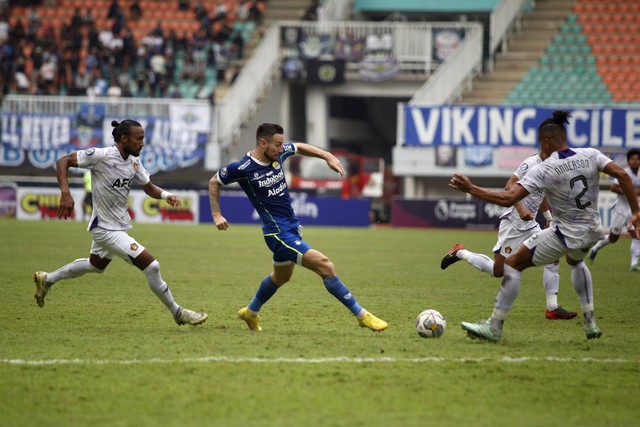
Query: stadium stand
[591, 59]
[145, 48]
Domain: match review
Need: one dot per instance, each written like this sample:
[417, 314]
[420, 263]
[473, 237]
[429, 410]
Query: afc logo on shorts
[134, 247]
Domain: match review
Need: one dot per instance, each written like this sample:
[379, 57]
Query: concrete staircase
[277, 10]
[524, 49]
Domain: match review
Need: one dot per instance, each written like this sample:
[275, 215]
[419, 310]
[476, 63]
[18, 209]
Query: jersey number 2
[572, 183]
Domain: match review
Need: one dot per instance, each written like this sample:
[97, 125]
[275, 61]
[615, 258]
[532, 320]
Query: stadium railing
[411, 48]
[449, 80]
[502, 21]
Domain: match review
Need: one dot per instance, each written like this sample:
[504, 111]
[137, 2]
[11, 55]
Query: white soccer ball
[430, 324]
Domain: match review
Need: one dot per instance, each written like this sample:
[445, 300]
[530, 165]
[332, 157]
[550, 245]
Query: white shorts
[107, 243]
[620, 220]
[510, 238]
[547, 247]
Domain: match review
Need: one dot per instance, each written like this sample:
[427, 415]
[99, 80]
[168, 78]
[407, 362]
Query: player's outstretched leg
[189, 317]
[252, 320]
[452, 256]
[40, 279]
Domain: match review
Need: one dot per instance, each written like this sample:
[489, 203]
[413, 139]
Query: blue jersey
[266, 187]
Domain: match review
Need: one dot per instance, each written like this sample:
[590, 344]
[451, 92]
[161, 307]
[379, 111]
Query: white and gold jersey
[531, 202]
[622, 204]
[111, 179]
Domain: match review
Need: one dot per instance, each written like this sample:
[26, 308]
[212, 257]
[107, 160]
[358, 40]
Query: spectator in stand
[49, 74]
[66, 70]
[200, 11]
[17, 33]
[114, 8]
[33, 24]
[91, 60]
[129, 51]
[135, 11]
[114, 90]
[242, 11]
[81, 83]
[76, 19]
[256, 9]
[158, 31]
[87, 18]
[184, 4]
[221, 62]
[220, 11]
[158, 65]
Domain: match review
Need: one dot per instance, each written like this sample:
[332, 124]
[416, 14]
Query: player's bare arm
[66, 201]
[332, 161]
[156, 192]
[502, 198]
[214, 200]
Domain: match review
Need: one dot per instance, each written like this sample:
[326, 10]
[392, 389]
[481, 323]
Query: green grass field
[105, 352]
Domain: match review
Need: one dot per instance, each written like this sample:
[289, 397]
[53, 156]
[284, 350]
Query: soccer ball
[430, 324]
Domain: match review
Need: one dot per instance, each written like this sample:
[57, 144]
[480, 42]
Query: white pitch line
[301, 360]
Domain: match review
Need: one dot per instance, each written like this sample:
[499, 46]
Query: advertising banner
[334, 211]
[41, 203]
[172, 142]
[8, 195]
[471, 214]
[495, 126]
[445, 213]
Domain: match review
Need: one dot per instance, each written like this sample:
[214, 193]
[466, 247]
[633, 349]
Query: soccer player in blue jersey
[259, 173]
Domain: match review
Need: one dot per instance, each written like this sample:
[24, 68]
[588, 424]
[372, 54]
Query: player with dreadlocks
[113, 170]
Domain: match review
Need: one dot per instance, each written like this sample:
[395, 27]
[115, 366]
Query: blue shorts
[287, 247]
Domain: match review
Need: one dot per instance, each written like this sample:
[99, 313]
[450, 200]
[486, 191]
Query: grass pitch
[105, 352]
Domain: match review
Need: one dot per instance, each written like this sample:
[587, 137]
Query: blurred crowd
[82, 58]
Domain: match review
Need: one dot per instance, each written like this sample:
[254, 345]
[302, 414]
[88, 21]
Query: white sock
[635, 251]
[601, 244]
[551, 282]
[76, 268]
[159, 287]
[509, 290]
[497, 319]
[582, 283]
[479, 261]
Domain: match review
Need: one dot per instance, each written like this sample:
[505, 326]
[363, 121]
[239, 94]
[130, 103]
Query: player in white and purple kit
[259, 173]
[570, 180]
[517, 224]
[621, 214]
[113, 171]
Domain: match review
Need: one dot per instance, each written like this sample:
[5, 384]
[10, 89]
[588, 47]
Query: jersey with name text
[570, 179]
[266, 187]
[111, 179]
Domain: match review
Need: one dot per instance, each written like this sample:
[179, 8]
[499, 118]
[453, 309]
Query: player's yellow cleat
[253, 322]
[372, 322]
[39, 277]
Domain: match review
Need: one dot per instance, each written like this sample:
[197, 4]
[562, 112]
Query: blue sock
[340, 291]
[265, 291]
